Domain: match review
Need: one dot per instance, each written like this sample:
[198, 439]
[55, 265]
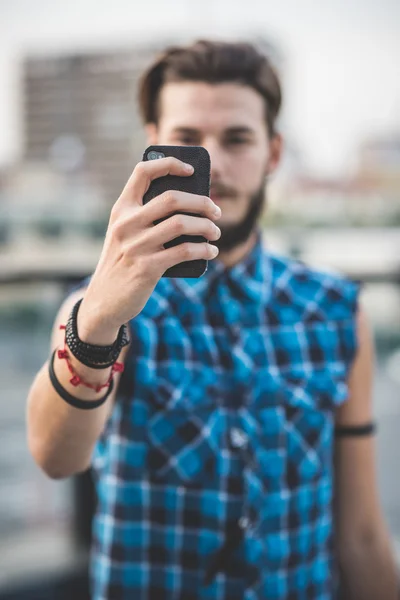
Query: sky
[341, 67]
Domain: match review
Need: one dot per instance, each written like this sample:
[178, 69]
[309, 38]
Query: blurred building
[80, 115]
[82, 137]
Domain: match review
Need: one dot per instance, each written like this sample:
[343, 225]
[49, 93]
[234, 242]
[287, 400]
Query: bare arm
[61, 438]
[133, 259]
[365, 555]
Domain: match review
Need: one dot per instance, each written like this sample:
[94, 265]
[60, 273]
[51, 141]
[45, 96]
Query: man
[218, 474]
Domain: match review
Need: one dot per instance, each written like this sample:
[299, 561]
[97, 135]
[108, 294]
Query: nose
[217, 158]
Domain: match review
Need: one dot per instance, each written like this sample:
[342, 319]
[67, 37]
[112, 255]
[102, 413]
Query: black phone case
[198, 183]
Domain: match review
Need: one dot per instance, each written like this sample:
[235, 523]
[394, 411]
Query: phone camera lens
[153, 155]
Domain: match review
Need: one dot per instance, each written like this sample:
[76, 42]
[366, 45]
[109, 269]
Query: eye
[237, 140]
[188, 140]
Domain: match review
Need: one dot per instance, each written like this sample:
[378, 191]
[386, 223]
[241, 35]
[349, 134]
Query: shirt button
[238, 438]
[244, 522]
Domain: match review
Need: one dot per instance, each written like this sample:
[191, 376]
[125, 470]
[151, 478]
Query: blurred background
[69, 138]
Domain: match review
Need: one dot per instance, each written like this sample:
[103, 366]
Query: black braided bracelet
[65, 395]
[91, 355]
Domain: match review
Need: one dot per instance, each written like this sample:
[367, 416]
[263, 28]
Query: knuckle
[211, 230]
[114, 213]
[210, 251]
[172, 160]
[117, 231]
[140, 169]
[206, 203]
[119, 211]
[169, 199]
[186, 251]
[212, 208]
[141, 172]
[177, 224]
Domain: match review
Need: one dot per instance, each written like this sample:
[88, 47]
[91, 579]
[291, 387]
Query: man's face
[228, 119]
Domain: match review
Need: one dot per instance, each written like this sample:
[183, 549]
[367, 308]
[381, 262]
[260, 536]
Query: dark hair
[211, 62]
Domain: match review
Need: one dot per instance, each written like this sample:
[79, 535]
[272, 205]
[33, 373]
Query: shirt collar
[247, 280]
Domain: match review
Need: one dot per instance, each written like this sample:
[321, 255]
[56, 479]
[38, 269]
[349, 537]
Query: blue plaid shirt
[214, 476]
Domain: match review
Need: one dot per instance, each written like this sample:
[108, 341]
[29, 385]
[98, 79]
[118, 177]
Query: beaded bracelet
[65, 395]
[92, 355]
[77, 379]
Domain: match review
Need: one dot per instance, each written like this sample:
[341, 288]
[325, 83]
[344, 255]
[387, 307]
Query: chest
[232, 364]
[277, 386]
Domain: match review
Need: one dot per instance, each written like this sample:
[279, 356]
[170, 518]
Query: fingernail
[189, 168]
[214, 250]
[217, 211]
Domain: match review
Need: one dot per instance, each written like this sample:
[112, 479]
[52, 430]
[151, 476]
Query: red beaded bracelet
[76, 379]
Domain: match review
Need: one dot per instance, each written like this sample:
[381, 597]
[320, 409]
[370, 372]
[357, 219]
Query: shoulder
[327, 293]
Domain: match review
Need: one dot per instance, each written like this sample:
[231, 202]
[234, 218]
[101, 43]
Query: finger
[146, 171]
[170, 257]
[173, 201]
[179, 225]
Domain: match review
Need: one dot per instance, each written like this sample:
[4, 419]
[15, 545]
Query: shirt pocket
[310, 402]
[295, 419]
[183, 439]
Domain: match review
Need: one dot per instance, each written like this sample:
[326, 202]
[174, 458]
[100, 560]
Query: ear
[151, 133]
[275, 154]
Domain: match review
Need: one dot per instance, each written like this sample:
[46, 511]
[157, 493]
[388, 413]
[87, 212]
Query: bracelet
[77, 380]
[92, 355]
[65, 395]
[355, 430]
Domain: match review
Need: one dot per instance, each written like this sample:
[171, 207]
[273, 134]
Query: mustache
[220, 189]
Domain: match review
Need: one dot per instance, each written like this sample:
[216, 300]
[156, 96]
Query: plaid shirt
[214, 477]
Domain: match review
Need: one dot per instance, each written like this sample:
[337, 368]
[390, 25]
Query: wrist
[93, 376]
[94, 330]
[89, 344]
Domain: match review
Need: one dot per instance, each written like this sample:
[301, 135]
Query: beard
[235, 235]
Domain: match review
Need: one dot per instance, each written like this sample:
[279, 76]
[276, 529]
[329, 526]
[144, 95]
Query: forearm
[61, 437]
[368, 571]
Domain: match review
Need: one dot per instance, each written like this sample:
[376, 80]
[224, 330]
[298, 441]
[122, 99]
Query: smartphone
[198, 183]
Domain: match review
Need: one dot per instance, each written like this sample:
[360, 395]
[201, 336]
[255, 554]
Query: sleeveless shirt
[225, 443]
